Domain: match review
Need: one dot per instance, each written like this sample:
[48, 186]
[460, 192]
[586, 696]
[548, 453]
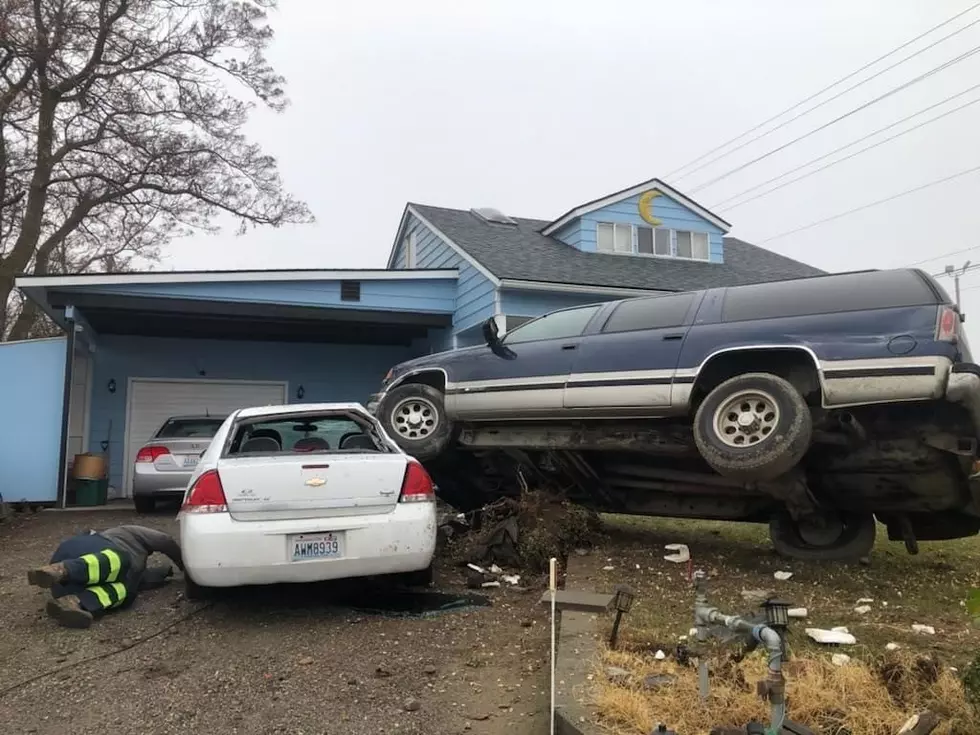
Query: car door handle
[673, 337]
[569, 347]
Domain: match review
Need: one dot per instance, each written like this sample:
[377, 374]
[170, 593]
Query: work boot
[48, 576]
[68, 611]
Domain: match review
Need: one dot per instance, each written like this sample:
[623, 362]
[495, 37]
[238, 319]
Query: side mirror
[491, 333]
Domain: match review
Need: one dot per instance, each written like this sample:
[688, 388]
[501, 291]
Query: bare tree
[121, 127]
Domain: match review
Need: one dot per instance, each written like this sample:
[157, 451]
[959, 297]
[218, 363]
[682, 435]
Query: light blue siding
[474, 300]
[581, 233]
[414, 295]
[32, 387]
[536, 303]
[327, 372]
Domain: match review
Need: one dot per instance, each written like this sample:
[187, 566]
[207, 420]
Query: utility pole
[952, 270]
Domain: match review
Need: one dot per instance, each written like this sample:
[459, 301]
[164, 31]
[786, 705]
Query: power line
[889, 93]
[826, 89]
[871, 204]
[850, 156]
[944, 255]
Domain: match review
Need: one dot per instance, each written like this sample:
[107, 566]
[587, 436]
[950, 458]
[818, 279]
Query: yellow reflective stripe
[103, 596]
[120, 589]
[92, 562]
[115, 564]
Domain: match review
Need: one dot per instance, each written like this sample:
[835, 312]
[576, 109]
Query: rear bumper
[963, 387]
[219, 551]
[149, 481]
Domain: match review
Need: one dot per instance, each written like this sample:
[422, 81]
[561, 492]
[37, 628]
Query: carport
[142, 347]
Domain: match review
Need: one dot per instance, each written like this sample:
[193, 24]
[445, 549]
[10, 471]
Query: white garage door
[151, 402]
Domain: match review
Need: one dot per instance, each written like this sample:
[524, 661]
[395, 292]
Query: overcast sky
[536, 106]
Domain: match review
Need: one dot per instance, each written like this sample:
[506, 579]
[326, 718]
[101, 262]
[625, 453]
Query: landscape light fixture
[622, 601]
[777, 614]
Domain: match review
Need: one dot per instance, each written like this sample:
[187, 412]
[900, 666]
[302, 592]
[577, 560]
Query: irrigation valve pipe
[773, 687]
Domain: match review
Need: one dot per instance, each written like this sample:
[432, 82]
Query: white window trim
[411, 249]
[635, 243]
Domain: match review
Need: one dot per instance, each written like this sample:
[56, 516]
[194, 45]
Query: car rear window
[190, 428]
[827, 295]
[303, 434]
[652, 313]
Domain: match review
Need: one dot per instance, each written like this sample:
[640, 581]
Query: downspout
[62, 500]
[774, 686]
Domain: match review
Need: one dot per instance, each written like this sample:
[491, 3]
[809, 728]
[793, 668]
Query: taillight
[150, 454]
[417, 485]
[206, 495]
[949, 320]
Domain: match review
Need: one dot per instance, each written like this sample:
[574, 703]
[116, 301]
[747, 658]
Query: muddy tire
[194, 591]
[843, 537]
[414, 415]
[753, 427]
[144, 504]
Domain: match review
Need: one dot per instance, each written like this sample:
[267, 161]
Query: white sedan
[305, 493]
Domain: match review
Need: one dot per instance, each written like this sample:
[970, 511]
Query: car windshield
[194, 428]
[306, 433]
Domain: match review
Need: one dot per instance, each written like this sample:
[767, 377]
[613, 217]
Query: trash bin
[91, 492]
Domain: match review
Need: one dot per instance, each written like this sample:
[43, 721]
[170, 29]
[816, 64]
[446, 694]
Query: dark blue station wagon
[763, 375]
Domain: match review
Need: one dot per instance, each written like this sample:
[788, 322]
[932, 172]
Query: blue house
[141, 347]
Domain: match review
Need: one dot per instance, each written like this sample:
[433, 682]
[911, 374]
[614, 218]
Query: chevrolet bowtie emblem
[316, 482]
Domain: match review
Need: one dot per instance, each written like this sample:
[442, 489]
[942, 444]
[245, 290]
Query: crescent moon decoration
[645, 207]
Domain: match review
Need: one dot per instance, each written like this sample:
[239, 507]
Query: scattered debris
[411, 705]
[477, 568]
[608, 568]
[306, 661]
[841, 629]
[840, 659]
[757, 597]
[862, 609]
[617, 675]
[494, 569]
[920, 724]
[831, 636]
[865, 601]
[494, 583]
[680, 553]
[660, 655]
[892, 646]
[658, 681]
[429, 670]
[797, 612]
[513, 579]
[783, 576]
[924, 629]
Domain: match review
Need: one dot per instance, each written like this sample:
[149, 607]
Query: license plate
[190, 461]
[307, 546]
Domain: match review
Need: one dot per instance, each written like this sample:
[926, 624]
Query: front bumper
[963, 387]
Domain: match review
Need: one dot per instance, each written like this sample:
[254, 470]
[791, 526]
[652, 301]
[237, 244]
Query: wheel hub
[820, 530]
[414, 418]
[746, 418]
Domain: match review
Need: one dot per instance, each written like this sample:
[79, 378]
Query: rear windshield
[190, 428]
[305, 434]
[828, 295]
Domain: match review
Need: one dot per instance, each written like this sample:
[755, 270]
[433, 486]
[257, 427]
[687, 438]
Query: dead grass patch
[856, 699]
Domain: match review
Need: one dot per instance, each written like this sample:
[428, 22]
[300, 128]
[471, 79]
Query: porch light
[622, 601]
[112, 385]
[300, 392]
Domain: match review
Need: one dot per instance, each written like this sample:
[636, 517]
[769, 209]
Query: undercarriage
[908, 465]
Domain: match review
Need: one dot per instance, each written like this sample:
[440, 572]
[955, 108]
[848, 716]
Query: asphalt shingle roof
[522, 252]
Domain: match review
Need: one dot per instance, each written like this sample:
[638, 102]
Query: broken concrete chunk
[797, 612]
[840, 659]
[511, 578]
[862, 609]
[494, 569]
[783, 576]
[616, 675]
[841, 629]
[892, 646]
[924, 629]
[680, 553]
[660, 655]
[831, 636]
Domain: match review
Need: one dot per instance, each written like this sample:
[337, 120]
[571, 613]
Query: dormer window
[661, 241]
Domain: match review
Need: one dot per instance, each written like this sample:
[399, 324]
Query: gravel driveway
[272, 660]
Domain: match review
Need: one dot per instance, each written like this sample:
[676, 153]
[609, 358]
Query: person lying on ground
[93, 573]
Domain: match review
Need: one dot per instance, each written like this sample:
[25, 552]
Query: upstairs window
[662, 241]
